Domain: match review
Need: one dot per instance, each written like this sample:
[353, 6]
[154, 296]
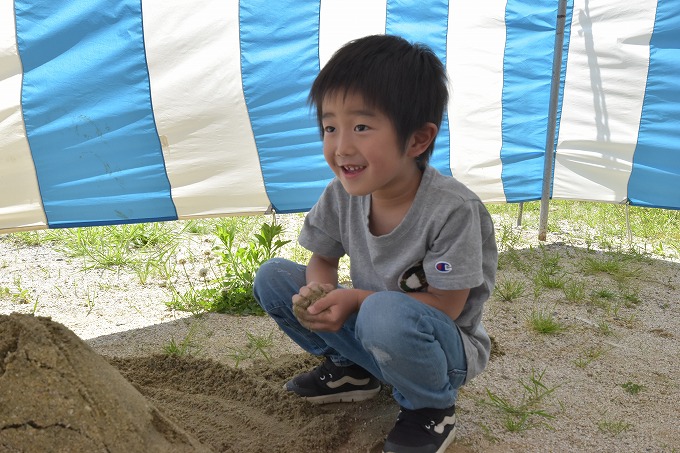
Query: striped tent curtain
[123, 111]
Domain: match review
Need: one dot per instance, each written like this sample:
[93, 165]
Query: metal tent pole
[552, 120]
[520, 210]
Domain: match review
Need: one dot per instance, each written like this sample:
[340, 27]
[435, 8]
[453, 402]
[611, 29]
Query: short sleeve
[321, 230]
[455, 258]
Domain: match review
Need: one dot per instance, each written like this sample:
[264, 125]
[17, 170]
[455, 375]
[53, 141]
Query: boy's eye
[360, 128]
[328, 129]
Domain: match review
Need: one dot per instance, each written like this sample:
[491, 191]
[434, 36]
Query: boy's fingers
[305, 291]
[327, 287]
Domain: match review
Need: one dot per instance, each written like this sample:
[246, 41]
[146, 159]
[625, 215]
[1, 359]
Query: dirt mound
[247, 410]
[57, 394]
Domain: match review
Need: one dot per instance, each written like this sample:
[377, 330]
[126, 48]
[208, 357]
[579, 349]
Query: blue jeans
[413, 347]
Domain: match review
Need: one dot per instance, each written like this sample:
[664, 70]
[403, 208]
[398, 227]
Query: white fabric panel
[604, 90]
[20, 203]
[344, 20]
[193, 55]
[474, 62]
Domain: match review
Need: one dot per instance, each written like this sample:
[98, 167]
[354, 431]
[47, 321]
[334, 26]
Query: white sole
[345, 397]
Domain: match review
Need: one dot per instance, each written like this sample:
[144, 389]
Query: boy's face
[361, 146]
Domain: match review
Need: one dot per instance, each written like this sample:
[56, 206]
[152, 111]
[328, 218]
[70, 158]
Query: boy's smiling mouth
[351, 169]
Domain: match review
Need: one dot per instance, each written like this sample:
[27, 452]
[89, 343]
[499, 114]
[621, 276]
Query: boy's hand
[322, 307]
[307, 296]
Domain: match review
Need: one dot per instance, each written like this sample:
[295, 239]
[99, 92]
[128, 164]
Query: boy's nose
[343, 147]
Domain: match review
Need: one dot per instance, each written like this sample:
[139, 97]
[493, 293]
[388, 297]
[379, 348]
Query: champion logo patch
[443, 267]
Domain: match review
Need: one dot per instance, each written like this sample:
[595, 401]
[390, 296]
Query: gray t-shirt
[446, 240]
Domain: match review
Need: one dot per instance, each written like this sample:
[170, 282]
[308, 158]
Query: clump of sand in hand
[301, 304]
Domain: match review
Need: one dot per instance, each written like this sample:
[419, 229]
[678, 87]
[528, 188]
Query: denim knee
[276, 281]
[396, 322]
[381, 319]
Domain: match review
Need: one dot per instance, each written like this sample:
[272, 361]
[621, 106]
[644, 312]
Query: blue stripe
[279, 61]
[87, 110]
[529, 49]
[428, 25]
[655, 178]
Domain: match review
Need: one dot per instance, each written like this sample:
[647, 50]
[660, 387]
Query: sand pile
[56, 394]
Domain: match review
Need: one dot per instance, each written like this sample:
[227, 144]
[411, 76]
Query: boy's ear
[421, 139]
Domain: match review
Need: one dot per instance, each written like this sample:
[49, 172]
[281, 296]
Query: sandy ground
[94, 377]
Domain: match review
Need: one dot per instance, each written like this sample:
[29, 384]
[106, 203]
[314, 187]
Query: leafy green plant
[239, 263]
[632, 388]
[231, 291]
[19, 294]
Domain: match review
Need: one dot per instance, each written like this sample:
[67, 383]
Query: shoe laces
[325, 370]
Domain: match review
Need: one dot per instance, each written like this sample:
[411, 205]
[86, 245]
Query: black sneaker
[329, 383]
[422, 431]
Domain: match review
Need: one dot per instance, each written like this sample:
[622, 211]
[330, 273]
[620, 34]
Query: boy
[421, 246]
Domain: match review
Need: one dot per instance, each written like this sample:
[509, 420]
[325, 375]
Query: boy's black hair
[407, 82]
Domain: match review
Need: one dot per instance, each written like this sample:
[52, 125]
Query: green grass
[613, 427]
[605, 328]
[257, 345]
[602, 225]
[603, 293]
[509, 290]
[189, 345]
[549, 278]
[543, 321]
[529, 410]
[574, 290]
[588, 356]
[593, 265]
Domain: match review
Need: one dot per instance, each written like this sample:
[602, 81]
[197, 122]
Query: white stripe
[475, 49]
[341, 21]
[603, 95]
[20, 201]
[347, 380]
[201, 115]
[441, 426]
